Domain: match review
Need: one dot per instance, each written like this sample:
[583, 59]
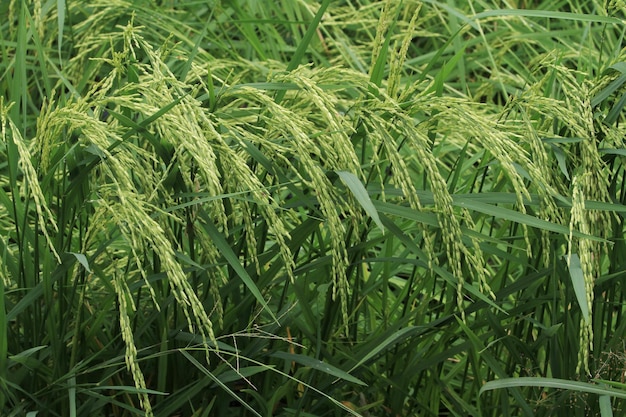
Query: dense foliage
[303, 208]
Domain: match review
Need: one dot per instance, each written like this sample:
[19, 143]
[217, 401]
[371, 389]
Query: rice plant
[306, 208]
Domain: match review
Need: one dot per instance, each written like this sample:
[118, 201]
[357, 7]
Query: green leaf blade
[578, 282]
[360, 193]
[318, 365]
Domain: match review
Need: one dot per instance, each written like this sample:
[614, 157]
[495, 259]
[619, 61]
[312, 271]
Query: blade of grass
[219, 383]
[19, 84]
[605, 406]
[304, 43]
[360, 193]
[521, 218]
[72, 395]
[392, 340]
[578, 282]
[308, 36]
[493, 363]
[3, 345]
[317, 365]
[231, 258]
[612, 87]
[552, 383]
[548, 14]
[61, 25]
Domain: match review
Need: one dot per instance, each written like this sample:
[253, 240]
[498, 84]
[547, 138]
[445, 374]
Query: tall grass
[303, 208]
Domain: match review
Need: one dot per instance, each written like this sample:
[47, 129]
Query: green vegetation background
[303, 208]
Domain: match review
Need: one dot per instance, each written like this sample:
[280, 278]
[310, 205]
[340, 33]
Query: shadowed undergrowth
[368, 208]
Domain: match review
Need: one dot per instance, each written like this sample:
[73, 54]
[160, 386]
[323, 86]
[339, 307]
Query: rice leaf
[233, 261]
[360, 193]
[392, 340]
[605, 406]
[578, 282]
[549, 14]
[318, 365]
[61, 25]
[219, 382]
[552, 383]
[82, 259]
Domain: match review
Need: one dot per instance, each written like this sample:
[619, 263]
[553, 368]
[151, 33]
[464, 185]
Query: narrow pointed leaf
[552, 383]
[231, 258]
[219, 383]
[82, 259]
[578, 281]
[318, 365]
[390, 341]
[360, 193]
[605, 406]
[61, 23]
